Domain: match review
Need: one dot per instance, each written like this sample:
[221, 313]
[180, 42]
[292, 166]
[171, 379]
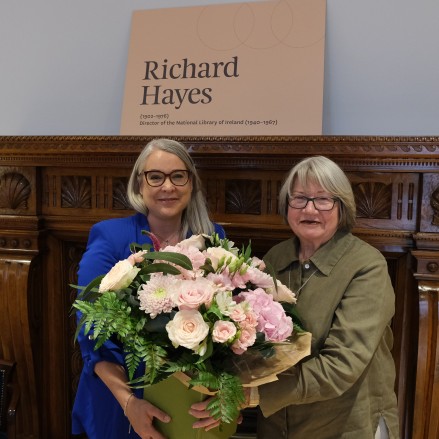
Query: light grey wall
[62, 65]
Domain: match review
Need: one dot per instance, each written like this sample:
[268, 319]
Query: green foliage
[229, 394]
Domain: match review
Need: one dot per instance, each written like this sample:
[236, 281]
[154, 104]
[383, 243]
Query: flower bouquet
[201, 310]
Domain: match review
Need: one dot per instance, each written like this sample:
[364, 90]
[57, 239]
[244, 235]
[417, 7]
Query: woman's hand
[205, 420]
[199, 410]
[141, 414]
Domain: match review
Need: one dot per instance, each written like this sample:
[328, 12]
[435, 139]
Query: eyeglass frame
[308, 199]
[165, 176]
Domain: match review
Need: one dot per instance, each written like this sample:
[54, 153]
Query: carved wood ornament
[52, 189]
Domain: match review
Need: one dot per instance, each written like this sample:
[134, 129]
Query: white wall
[62, 65]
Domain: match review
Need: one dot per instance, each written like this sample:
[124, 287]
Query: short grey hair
[195, 217]
[326, 173]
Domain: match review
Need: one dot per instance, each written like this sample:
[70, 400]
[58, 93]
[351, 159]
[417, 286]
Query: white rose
[187, 329]
[120, 276]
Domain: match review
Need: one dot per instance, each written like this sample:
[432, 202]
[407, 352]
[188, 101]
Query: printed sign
[226, 70]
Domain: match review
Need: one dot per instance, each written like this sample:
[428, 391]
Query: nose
[310, 206]
[167, 184]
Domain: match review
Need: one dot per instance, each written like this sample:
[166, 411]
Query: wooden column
[426, 410]
[20, 291]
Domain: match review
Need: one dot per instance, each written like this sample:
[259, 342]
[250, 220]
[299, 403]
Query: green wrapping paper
[175, 398]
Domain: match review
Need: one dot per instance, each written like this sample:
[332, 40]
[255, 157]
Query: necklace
[167, 240]
[304, 283]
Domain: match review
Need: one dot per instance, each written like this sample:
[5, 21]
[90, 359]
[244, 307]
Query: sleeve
[359, 324]
[220, 231]
[99, 257]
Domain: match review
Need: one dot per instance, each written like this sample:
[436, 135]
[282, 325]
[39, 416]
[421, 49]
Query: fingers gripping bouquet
[194, 308]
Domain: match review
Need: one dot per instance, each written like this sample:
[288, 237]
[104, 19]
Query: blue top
[95, 411]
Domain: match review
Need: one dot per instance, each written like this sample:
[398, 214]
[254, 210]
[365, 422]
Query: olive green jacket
[347, 383]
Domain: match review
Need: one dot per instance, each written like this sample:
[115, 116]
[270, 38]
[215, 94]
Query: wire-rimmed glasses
[320, 203]
[179, 177]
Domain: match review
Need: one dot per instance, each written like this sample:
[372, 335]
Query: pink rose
[237, 313]
[187, 329]
[190, 294]
[246, 339]
[223, 331]
[119, 277]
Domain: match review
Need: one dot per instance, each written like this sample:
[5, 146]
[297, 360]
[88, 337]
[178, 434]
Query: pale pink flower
[135, 258]
[223, 331]
[190, 294]
[258, 278]
[156, 296]
[272, 320]
[119, 277]
[225, 302]
[246, 339]
[197, 241]
[187, 329]
[221, 280]
[195, 256]
[257, 263]
[282, 294]
[219, 257]
[238, 313]
[250, 320]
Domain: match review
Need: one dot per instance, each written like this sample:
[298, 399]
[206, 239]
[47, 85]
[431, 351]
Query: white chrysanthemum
[156, 296]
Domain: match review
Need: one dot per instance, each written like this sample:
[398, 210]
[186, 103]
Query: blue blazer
[95, 411]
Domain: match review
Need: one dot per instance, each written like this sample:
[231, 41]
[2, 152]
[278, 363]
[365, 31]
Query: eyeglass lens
[179, 177]
[320, 203]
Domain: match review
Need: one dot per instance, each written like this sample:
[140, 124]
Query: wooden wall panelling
[21, 290]
[73, 182]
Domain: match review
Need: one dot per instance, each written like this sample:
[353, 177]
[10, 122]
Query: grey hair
[331, 178]
[195, 217]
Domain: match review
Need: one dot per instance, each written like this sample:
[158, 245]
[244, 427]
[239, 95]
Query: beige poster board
[235, 69]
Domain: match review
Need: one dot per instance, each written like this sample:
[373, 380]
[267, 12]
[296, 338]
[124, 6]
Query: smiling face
[311, 226]
[165, 202]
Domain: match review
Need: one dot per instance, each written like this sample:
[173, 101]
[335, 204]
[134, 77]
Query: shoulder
[219, 230]
[119, 224]
[282, 254]
[364, 250]
[118, 233]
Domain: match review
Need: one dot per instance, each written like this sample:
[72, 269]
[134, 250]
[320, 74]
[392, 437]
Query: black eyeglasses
[179, 177]
[320, 203]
